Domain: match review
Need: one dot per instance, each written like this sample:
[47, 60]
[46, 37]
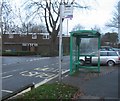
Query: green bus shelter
[84, 50]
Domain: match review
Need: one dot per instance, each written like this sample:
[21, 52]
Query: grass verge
[50, 91]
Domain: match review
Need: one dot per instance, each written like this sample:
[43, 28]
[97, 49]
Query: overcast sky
[100, 13]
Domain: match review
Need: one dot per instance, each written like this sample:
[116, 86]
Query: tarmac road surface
[19, 72]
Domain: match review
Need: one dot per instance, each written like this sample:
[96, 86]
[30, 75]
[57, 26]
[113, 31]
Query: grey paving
[102, 85]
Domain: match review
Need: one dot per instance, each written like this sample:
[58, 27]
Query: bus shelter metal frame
[75, 65]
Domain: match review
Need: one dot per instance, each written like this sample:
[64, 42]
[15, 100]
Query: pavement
[92, 85]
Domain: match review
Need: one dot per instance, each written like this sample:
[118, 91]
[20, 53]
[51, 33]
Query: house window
[24, 48]
[34, 36]
[46, 37]
[11, 36]
[23, 35]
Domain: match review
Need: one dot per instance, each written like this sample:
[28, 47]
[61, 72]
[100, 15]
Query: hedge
[18, 53]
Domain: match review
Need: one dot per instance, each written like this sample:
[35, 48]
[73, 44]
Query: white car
[117, 50]
[106, 57]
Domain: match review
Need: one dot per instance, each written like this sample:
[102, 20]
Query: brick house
[39, 43]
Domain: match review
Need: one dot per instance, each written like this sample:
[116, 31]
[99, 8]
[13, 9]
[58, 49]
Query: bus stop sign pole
[60, 42]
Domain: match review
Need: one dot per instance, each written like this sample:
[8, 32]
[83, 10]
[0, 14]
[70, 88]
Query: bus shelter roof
[85, 33]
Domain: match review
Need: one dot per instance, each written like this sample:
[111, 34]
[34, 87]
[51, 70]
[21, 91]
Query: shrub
[18, 53]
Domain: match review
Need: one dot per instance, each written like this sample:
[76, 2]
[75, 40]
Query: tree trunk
[53, 45]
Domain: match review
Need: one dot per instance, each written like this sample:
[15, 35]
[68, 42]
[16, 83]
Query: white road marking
[34, 59]
[42, 82]
[46, 66]
[12, 71]
[56, 70]
[31, 60]
[37, 69]
[23, 72]
[66, 75]
[41, 69]
[6, 76]
[44, 69]
[30, 74]
[45, 75]
[46, 80]
[15, 70]
[8, 91]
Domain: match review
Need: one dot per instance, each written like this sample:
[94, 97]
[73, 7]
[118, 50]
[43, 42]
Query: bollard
[32, 86]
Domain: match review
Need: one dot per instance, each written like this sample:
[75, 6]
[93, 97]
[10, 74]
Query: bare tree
[7, 16]
[49, 10]
[38, 29]
[77, 27]
[115, 19]
[97, 28]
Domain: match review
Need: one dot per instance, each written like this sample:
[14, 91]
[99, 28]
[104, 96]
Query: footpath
[103, 85]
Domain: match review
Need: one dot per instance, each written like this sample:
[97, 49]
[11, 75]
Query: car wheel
[110, 63]
[82, 62]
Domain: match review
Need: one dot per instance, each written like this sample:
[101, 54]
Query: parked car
[106, 48]
[117, 50]
[106, 57]
[109, 48]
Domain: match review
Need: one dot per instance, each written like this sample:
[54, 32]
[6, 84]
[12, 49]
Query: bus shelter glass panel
[88, 46]
[74, 54]
[89, 52]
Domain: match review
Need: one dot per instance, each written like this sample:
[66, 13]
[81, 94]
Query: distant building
[39, 43]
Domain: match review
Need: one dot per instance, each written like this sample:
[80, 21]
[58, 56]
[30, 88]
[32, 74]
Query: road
[19, 72]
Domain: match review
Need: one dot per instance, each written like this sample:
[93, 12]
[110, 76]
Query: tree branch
[59, 25]
[50, 17]
[53, 7]
[46, 21]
